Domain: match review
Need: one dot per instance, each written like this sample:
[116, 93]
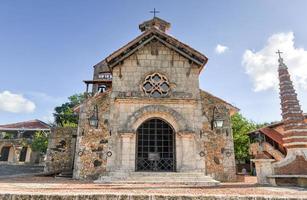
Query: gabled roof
[26, 125]
[233, 109]
[103, 66]
[155, 34]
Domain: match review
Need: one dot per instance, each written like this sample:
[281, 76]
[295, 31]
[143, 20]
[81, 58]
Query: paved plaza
[10, 170]
[54, 186]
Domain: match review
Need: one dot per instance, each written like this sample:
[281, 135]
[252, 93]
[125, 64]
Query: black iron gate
[155, 146]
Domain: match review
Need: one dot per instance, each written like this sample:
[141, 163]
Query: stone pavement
[13, 170]
[51, 188]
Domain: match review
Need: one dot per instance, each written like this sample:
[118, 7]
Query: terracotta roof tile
[32, 124]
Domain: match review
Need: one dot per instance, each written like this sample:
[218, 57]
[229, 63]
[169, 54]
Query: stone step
[158, 174]
[190, 183]
[163, 178]
[167, 178]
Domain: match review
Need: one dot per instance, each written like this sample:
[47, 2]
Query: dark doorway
[155, 146]
[23, 154]
[5, 152]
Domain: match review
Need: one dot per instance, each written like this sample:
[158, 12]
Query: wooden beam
[179, 51]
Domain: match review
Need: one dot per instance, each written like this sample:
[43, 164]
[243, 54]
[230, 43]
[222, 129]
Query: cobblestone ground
[8, 170]
[50, 185]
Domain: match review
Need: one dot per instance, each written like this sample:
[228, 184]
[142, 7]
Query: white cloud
[48, 118]
[219, 49]
[41, 96]
[262, 65]
[15, 103]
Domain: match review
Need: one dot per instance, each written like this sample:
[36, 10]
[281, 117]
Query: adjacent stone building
[146, 113]
[15, 140]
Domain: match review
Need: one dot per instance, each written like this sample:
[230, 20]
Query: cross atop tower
[154, 11]
[279, 52]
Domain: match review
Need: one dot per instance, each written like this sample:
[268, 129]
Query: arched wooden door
[155, 146]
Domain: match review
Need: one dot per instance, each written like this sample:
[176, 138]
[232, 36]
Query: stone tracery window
[156, 85]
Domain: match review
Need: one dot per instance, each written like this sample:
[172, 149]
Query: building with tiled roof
[271, 136]
[15, 139]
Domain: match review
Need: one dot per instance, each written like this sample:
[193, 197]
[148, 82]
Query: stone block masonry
[218, 143]
[92, 150]
[61, 148]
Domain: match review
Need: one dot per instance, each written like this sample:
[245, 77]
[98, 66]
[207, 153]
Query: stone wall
[60, 151]
[182, 75]
[111, 146]
[92, 150]
[218, 143]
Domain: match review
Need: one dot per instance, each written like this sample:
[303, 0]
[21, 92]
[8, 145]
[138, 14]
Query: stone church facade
[146, 113]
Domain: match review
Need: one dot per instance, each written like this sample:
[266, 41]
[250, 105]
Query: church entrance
[155, 146]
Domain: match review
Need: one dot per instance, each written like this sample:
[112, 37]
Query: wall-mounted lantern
[93, 120]
[216, 122]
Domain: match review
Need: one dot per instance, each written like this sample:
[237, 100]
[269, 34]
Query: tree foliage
[7, 135]
[40, 142]
[64, 115]
[241, 127]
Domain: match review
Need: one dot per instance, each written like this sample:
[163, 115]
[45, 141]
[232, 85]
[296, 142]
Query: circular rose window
[156, 85]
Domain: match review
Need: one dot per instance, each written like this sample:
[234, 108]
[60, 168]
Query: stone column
[264, 168]
[127, 151]
[188, 151]
[17, 150]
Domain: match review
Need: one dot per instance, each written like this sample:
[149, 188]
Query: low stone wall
[139, 197]
[61, 147]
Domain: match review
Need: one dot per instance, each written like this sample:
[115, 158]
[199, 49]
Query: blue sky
[48, 47]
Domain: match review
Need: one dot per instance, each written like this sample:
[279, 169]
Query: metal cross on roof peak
[279, 53]
[154, 11]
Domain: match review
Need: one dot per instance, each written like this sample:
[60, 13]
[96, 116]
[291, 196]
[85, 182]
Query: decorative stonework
[156, 85]
[151, 111]
[295, 127]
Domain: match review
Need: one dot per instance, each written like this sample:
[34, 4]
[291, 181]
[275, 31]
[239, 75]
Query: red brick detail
[295, 134]
[296, 146]
[298, 167]
[290, 140]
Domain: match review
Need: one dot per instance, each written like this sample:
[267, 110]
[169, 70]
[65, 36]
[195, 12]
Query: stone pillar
[17, 150]
[127, 151]
[188, 152]
[264, 168]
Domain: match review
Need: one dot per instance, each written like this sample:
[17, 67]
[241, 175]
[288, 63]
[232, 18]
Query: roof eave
[110, 59]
